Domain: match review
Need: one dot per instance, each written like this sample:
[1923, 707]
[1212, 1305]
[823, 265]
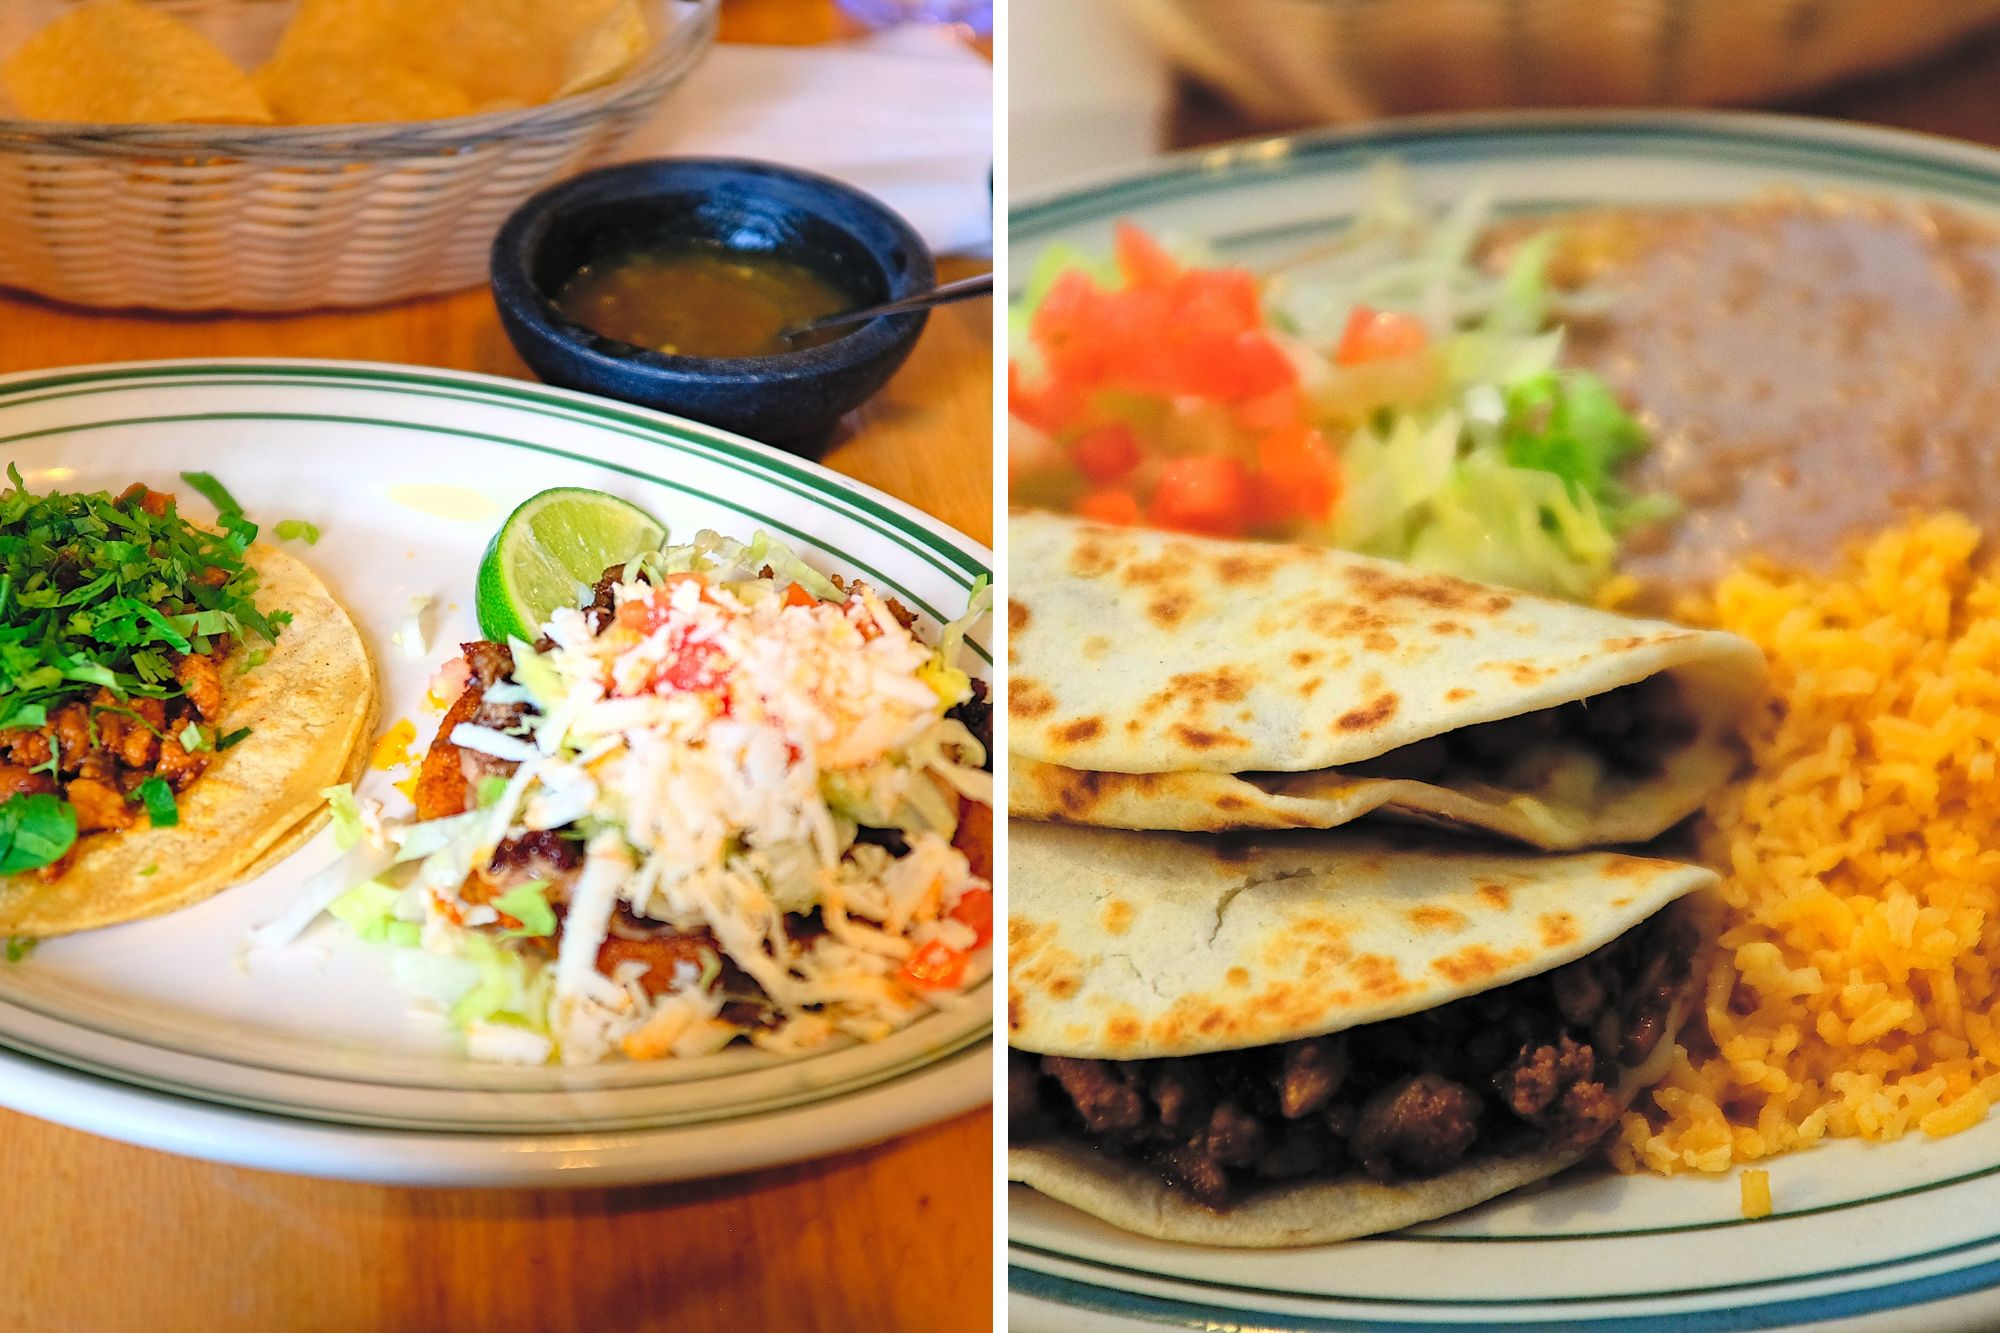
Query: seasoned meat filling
[1528, 1066]
[1630, 730]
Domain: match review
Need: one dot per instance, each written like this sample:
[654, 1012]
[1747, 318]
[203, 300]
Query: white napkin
[906, 115]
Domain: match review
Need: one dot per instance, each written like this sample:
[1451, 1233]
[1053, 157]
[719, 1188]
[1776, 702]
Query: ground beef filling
[1529, 1066]
[1630, 730]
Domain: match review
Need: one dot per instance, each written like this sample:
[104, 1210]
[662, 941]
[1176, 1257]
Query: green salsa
[699, 298]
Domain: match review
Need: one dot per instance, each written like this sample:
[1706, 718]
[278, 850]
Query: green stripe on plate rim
[1877, 156]
[800, 478]
[1494, 1302]
[1883, 157]
[897, 527]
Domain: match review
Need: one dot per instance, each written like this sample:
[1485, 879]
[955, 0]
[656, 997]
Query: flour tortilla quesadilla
[1161, 681]
[1325, 1035]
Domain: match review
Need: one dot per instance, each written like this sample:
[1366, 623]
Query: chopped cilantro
[529, 905]
[35, 830]
[158, 798]
[256, 657]
[19, 947]
[224, 741]
[149, 870]
[98, 591]
[213, 491]
[296, 529]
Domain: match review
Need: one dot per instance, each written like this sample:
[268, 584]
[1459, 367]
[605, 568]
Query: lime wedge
[550, 551]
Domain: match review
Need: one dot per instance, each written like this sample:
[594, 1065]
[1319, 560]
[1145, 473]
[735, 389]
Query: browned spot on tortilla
[1194, 691]
[1527, 673]
[1071, 792]
[1170, 608]
[1558, 929]
[1017, 1012]
[1497, 896]
[1176, 560]
[1304, 657]
[1379, 978]
[1230, 801]
[1369, 716]
[1201, 738]
[1437, 918]
[1627, 867]
[1117, 916]
[1093, 556]
[1027, 699]
[1440, 592]
[1379, 641]
[1334, 618]
[1310, 688]
[1095, 647]
[1457, 696]
[1122, 1030]
[1451, 627]
[1017, 616]
[1079, 731]
[1063, 987]
[1237, 976]
[1473, 963]
[1237, 569]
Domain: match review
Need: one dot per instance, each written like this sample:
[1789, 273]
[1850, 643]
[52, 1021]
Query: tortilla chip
[115, 62]
[496, 53]
[607, 51]
[338, 88]
[309, 706]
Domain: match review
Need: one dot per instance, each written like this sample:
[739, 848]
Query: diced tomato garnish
[1143, 261]
[795, 595]
[1106, 454]
[1207, 493]
[1120, 508]
[1380, 335]
[936, 966]
[975, 909]
[1303, 474]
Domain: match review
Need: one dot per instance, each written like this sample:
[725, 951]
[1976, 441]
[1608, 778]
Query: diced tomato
[1303, 474]
[1120, 508]
[1379, 335]
[1106, 454]
[975, 909]
[1143, 261]
[936, 966]
[1207, 493]
[796, 595]
[1053, 407]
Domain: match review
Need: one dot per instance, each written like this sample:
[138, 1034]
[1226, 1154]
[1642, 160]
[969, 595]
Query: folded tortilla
[1160, 681]
[1129, 946]
[311, 707]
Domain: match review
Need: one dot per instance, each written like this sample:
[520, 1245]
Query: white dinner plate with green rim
[1902, 1236]
[309, 1059]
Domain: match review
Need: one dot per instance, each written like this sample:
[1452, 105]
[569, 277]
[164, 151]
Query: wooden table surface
[99, 1237]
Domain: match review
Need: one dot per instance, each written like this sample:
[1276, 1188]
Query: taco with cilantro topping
[173, 700]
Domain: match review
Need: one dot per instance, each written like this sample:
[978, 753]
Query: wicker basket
[183, 217]
[1303, 61]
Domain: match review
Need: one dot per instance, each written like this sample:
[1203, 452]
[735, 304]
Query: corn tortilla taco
[174, 701]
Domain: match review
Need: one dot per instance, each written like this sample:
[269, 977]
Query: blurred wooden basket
[208, 217]
[1299, 61]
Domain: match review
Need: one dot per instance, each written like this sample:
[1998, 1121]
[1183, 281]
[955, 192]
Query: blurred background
[1150, 75]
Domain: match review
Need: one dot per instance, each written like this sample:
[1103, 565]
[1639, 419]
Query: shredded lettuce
[369, 910]
[952, 684]
[346, 812]
[529, 904]
[507, 985]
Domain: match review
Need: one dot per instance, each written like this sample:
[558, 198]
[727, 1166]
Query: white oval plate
[1903, 1235]
[310, 1059]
